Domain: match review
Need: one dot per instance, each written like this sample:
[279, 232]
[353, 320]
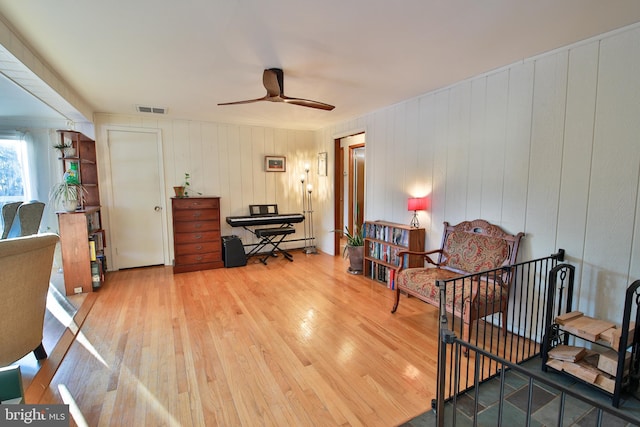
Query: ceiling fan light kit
[273, 81]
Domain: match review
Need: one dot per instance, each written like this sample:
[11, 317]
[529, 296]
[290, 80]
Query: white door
[137, 208]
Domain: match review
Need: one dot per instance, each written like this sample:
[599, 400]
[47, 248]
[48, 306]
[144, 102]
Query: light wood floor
[300, 343]
[58, 330]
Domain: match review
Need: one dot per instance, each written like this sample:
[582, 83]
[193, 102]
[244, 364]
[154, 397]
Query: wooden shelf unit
[77, 231]
[383, 240]
[86, 160]
[83, 262]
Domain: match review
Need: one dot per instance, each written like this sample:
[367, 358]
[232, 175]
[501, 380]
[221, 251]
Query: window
[14, 171]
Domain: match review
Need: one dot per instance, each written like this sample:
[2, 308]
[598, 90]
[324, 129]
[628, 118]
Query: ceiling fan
[273, 80]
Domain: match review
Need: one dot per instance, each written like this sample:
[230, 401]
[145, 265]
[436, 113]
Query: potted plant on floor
[354, 249]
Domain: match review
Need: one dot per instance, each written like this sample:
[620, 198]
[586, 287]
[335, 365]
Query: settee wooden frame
[471, 307]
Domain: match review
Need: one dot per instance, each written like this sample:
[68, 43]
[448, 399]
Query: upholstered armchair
[25, 263]
[468, 248]
[21, 219]
[30, 215]
[9, 211]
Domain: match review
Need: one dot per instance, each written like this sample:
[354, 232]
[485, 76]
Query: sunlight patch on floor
[345, 354]
[59, 312]
[84, 341]
[411, 372]
[144, 393]
[307, 325]
[74, 410]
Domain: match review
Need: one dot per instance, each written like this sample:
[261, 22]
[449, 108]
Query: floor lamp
[311, 249]
[304, 209]
[307, 210]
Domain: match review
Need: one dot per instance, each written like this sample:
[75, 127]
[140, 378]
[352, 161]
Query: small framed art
[322, 164]
[275, 163]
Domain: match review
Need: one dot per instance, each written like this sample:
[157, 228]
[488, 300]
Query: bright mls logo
[34, 415]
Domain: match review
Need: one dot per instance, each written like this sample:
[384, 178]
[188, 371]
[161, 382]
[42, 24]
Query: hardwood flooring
[300, 343]
[61, 320]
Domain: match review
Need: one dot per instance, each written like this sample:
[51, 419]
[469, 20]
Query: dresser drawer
[197, 237]
[195, 203]
[197, 248]
[196, 226]
[196, 215]
[197, 258]
[197, 244]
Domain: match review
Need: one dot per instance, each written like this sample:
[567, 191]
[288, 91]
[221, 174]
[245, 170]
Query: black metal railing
[502, 311]
[457, 347]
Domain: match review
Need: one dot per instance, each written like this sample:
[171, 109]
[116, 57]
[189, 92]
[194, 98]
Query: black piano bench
[273, 236]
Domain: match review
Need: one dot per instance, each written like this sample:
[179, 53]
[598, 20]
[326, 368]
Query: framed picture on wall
[322, 164]
[275, 163]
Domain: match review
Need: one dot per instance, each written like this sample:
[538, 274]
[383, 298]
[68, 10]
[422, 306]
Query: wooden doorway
[349, 184]
[137, 215]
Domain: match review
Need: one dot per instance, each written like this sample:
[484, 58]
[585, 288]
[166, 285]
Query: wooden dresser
[197, 244]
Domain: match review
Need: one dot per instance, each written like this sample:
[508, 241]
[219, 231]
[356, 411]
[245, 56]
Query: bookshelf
[82, 236]
[82, 245]
[382, 243]
[84, 162]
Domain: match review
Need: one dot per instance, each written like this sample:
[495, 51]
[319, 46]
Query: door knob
[157, 208]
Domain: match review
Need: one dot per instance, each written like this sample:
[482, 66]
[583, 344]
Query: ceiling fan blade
[273, 81]
[308, 103]
[248, 101]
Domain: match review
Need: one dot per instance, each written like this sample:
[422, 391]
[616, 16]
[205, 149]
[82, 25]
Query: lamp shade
[417, 204]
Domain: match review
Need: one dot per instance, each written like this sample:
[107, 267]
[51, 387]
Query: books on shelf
[383, 243]
[96, 244]
[386, 253]
[388, 233]
[383, 274]
[96, 278]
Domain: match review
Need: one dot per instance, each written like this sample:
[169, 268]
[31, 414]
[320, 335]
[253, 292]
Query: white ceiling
[359, 55]
[16, 103]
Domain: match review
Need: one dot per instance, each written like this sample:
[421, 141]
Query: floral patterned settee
[467, 248]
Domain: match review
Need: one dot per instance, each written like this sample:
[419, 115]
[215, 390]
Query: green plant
[187, 185]
[63, 192]
[61, 146]
[355, 238]
[66, 149]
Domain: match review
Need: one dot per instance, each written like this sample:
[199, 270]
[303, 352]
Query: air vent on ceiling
[154, 110]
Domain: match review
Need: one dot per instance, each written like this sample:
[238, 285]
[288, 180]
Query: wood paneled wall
[549, 146]
[224, 160]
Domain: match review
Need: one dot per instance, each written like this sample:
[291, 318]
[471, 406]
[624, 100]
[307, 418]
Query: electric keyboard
[267, 215]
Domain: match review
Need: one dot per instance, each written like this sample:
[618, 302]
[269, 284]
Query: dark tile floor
[545, 404]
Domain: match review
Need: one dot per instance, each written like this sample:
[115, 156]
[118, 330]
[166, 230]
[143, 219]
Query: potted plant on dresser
[354, 249]
[183, 190]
